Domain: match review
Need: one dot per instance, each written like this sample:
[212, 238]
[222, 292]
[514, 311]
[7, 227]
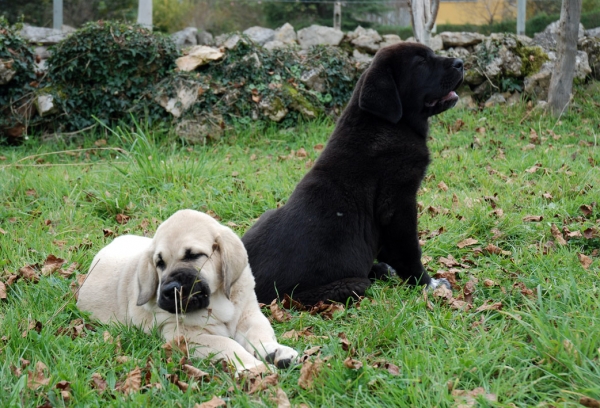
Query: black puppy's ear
[379, 92]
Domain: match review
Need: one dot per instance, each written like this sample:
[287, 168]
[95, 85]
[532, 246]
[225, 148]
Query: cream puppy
[191, 279]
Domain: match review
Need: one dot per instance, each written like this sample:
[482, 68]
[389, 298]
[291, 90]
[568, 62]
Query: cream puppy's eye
[190, 256]
[160, 264]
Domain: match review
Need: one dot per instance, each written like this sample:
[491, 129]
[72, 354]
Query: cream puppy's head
[191, 258]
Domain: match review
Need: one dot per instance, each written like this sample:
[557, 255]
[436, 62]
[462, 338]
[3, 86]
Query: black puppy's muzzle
[184, 292]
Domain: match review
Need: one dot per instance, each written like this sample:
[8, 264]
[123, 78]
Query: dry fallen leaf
[279, 314]
[585, 261]
[65, 273]
[393, 369]
[589, 402]
[301, 152]
[2, 290]
[37, 378]
[467, 399]
[467, 242]
[488, 283]
[215, 402]
[352, 363]
[587, 210]
[442, 186]
[65, 388]
[557, 235]
[133, 382]
[533, 218]
[491, 306]
[194, 372]
[28, 273]
[122, 218]
[258, 382]
[311, 351]
[281, 399]
[179, 343]
[309, 371]
[52, 264]
[448, 262]
[98, 382]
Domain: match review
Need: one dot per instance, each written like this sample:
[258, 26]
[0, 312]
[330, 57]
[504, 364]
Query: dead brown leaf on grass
[451, 275]
[33, 325]
[279, 314]
[557, 235]
[533, 218]
[178, 343]
[467, 242]
[215, 402]
[442, 186]
[352, 363]
[448, 262]
[591, 233]
[2, 290]
[493, 249]
[393, 369]
[586, 209]
[98, 382]
[65, 273]
[65, 389]
[589, 402]
[309, 371]
[310, 352]
[28, 273]
[490, 306]
[295, 334]
[280, 398]
[256, 382]
[37, 378]
[326, 310]
[52, 264]
[468, 399]
[195, 373]
[585, 261]
[122, 218]
[75, 329]
[132, 383]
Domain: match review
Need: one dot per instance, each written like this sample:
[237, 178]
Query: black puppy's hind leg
[337, 291]
[382, 271]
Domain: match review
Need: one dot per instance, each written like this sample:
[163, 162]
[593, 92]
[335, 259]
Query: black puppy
[358, 202]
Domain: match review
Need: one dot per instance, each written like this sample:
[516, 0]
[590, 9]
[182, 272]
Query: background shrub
[107, 68]
[16, 95]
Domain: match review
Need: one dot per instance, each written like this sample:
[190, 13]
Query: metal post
[57, 21]
[521, 11]
[337, 15]
[145, 13]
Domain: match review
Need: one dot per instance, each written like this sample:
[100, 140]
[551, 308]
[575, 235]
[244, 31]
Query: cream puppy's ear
[147, 279]
[234, 258]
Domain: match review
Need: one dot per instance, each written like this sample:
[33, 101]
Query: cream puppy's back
[112, 279]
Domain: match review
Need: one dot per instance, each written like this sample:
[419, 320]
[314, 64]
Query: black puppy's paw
[436, 283]
[382, 271]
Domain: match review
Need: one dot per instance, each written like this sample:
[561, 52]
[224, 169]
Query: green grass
[538, 350]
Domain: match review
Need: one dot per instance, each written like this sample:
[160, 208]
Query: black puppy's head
[408, 78]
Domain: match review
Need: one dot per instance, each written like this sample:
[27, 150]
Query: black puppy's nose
[458, 64]
[168, 290]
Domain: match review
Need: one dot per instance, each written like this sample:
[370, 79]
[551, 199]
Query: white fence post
[57, 14]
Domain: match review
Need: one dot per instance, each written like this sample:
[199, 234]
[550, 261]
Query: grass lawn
[509, 209]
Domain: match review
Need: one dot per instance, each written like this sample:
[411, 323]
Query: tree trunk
[145, 13]
[423, 14]
[561, 83]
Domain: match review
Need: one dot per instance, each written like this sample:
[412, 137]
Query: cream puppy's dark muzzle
[184, 291]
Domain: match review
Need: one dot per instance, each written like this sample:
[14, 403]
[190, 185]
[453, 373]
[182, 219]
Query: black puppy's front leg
[400, 246]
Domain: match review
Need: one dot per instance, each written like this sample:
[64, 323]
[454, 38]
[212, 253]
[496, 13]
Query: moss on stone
[301, 104]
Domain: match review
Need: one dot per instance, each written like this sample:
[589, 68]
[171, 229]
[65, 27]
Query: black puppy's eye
[189, 256]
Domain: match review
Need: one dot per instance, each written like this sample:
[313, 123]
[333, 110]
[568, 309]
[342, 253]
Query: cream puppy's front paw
[281, 356]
